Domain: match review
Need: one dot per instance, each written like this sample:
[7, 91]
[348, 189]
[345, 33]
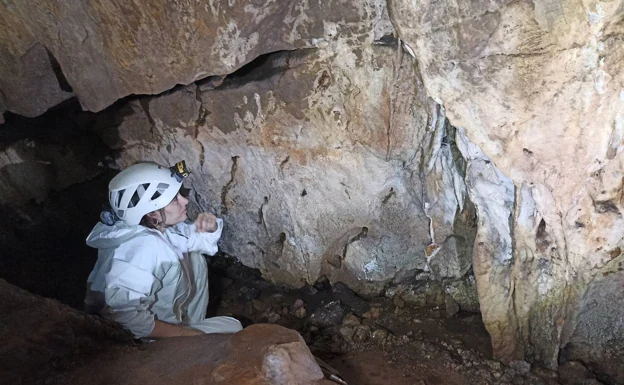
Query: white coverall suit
[143, 275]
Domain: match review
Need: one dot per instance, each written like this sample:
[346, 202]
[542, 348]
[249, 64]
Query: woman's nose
[183, 200]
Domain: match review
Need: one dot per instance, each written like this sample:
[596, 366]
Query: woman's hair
[152, 223]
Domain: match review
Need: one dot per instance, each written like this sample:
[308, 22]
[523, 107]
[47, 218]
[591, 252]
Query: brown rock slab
[260, 354]
[44, 340]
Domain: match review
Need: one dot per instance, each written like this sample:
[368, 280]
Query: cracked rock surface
[426, 141]
[537, 86]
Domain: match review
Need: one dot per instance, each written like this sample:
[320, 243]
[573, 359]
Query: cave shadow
[45, 224]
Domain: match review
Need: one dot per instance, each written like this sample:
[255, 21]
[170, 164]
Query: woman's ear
[155, 215]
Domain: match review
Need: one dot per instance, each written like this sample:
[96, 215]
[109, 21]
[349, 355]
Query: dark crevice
[387, 40]
[388, 196]
[145, 105]
[58, 72]
[283, 164]
[541, 237]
[603, 207]
[281, 241]
[228, 185]
[362, 234]
[261, 220]
[262, 67]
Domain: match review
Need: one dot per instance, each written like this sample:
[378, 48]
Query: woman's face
[175, 212]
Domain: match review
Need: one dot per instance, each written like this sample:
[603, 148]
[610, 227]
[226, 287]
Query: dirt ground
[371, 341]
[368, 341]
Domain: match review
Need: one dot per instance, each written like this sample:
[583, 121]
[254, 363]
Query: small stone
[518, 380]
[259, 305]
[248, 293]
[370, 322]
[531, 379]
[277, 297]
[301, 312]
[398, 301]
[350, 299]
[298, 304]
[573, 372]
[313, 329]
[520, 366]
[494, 365]
[361, 334]
[285, 311]
[351, 320]
[379, 336]
[328, 315]
[226, 282]
[346, 333]
[311, 290]
[273, 318]
[457, 343]
[452, 307]
[374, 312]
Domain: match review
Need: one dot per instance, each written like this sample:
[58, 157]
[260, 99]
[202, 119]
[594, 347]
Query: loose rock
[521, 367]
[350, 299]
[361, 334]
[328, 315]
[247, 293]
[301, 313]
[379, 336]
[351, 320]
[452, 307]
[398, 302]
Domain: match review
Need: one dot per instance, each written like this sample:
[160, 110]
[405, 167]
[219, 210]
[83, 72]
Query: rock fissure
[226, 189]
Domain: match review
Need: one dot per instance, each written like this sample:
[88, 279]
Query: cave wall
[328, 162]
[537, 85]
[121, 48]
[346, 152]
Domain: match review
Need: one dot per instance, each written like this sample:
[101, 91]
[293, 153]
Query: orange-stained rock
[44, 341]
[258, 355]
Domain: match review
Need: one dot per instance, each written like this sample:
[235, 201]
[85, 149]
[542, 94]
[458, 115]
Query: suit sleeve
[205, 243]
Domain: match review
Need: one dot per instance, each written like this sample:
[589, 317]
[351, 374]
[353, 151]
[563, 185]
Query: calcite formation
[537, 86]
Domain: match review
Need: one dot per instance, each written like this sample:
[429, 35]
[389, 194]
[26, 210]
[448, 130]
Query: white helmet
[143, 188]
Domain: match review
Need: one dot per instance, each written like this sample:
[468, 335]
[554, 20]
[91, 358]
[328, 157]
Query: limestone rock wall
[537, 85]
[107, 50]
[329, 161]
[331, 153]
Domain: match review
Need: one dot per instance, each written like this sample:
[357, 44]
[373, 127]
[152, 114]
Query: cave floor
[372, 341]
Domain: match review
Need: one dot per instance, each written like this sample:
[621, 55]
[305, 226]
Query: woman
[150, 276]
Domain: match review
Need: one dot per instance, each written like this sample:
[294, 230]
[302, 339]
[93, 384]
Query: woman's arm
[202, 235]
[164, 330]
